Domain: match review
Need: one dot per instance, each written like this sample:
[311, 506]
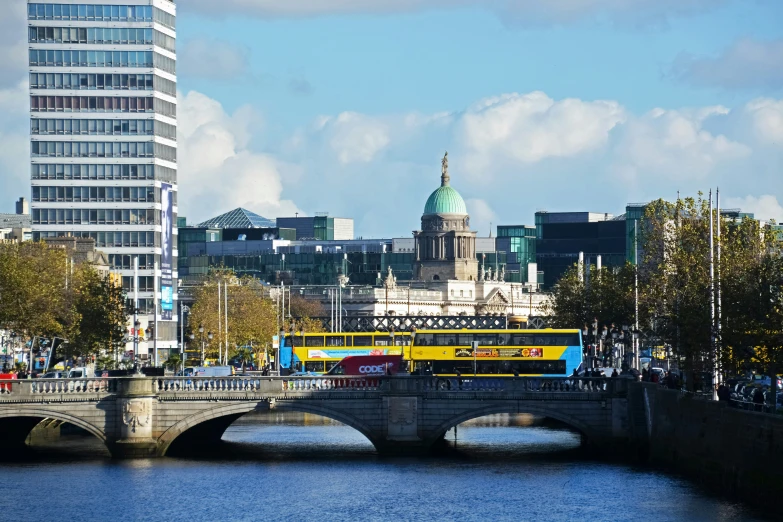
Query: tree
[606, 295]
[34, 291]
[252, 317]
[174, 361]
[100, 306]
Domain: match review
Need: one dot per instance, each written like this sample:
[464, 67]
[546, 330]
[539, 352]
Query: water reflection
[299, 467]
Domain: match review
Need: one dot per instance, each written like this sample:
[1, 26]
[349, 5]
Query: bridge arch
[512, 408]
[209, 425]
[17, 424]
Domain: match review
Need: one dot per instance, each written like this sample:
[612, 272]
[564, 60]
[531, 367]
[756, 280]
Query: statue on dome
[444, 169]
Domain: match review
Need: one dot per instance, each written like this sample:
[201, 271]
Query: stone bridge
[146, 417]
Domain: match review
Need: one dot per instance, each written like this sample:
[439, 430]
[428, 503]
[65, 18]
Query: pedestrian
[459, 379]
[614, 373]
[645, 375]
[758, 399]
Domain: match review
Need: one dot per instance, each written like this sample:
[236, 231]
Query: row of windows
[558, 339]
[146, 283]
[106, 239]
[136, 82]
[92, 12]
[102, 104]
[110, 172]
[69, 58]
[125, 262]
[91, 104]
[92, 149]
[67, 216]
[98, 194]
[63, 127]
[92, 35]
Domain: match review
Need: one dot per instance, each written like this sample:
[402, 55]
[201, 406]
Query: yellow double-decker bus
[548, 353]
[319, 352]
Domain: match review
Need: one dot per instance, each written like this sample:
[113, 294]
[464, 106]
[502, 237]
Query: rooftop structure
[238, 218]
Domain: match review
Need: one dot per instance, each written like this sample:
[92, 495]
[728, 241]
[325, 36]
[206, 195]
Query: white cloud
[766, 118]
[514, 154]
[745, 64]
[354, 137]
[673, 144]
[763, 207]
[528, 128]
[217, 172]
[211, 58]
[482, 216]
[646, 12]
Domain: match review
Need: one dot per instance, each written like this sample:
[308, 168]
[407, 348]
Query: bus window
[521, 340]
[487, 339]
[382, 340]
[424, 339]
[402, 340]
[362, 340]
[335, 340]
[314, 340]
[464, 339]
[503, 339]
[288, 341]
[330, 365]
[298, 340]
[445, 339]
[314, 366]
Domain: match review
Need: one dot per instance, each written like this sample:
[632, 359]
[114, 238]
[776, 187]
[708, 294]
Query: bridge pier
[133, 432]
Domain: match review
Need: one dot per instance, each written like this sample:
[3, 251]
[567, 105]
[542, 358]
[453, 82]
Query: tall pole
[135, 308]
[712, 303]
[182, 308]
[225, 311]
[718, 340]
[282, 293]
[220, 325]
[155, 318]
[635, 338]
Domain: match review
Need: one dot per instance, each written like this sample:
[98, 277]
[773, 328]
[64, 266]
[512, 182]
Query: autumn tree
[100, 306]
[33, 291]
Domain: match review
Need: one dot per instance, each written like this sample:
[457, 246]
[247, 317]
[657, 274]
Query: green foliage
[174, 361]
[100, 305]
[674, 290]
[42, 295]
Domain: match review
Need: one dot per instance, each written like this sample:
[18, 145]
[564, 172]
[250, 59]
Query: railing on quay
[31, 388]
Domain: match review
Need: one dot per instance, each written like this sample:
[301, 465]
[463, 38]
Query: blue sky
[346, 106]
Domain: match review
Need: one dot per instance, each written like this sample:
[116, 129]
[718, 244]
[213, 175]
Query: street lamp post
[136, 326]
[183, 308]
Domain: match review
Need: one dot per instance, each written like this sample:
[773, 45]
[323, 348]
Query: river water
[303, 467]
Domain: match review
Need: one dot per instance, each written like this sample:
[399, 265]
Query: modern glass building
[519, 241]
[103, 125]
[561, 236]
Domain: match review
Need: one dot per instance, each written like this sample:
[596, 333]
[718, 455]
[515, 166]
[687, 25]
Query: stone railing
[214, 384]
[37, 387]
[559, 386]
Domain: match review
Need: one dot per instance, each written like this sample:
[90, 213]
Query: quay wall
[733, 452]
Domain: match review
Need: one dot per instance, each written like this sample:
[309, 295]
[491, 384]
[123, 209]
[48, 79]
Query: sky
[347, 106]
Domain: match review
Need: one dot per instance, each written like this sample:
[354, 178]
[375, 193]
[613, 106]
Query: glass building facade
[561, 236]
[103, 129]
[519, 242]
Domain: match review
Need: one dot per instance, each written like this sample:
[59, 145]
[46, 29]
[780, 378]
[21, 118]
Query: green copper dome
[445, 200]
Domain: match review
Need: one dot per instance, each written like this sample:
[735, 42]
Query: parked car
[54, 375]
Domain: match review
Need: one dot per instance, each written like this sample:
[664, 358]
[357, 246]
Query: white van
[212, 371]
[81, 372]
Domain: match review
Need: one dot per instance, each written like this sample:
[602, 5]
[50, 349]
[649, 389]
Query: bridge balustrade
[275, 385]
[26, 387]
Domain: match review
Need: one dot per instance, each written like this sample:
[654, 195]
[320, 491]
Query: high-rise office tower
[103, 123]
